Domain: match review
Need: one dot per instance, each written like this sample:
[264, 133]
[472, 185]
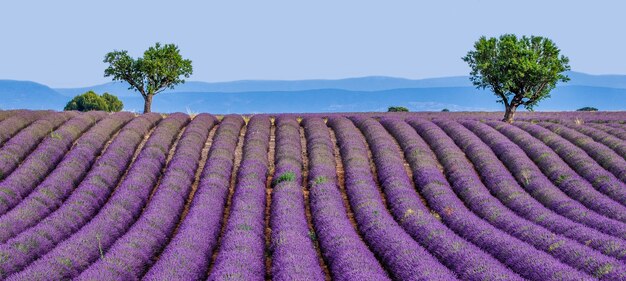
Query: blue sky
[61, 43]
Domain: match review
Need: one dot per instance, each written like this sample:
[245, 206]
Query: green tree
[397, 109]
[587, 108]
[161, 67]
[91, 101]
[114, 104]
[445, 110]
[519, 71]
[87, 102]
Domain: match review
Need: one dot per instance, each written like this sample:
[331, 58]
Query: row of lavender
[293, 253]
[14, 120]
[52, 191]
[346, 255]
[188, 254]
[128, 257]
[603, 117]
[241, 253]
[536, 191]
[67, 236]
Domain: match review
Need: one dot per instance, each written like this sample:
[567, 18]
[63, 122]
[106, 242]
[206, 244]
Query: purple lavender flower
[43, 160]
[403, 257]
[51, 193]
[128, 257]
[504, 186]
[241, 254]
[293, 254]
[345, 253]
[187, 255]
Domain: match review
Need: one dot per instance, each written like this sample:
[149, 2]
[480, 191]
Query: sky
[62, 43]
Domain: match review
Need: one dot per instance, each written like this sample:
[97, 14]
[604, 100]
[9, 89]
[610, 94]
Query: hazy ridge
[375, 93]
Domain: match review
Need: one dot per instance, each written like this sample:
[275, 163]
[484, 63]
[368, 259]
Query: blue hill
[29, 95]
[333, 100]
[371, 83]
[606, 92]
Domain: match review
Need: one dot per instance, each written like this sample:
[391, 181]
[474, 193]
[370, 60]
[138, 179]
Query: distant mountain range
[376, 93]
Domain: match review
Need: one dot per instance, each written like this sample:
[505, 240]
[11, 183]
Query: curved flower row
[82, 204]
[293, 254]
[469, 186]
[242, 251]
[187, 255]
[619, 133]
[346, 255]
[613, 142]
[621, 126]
[464, 258]
[129, 256]
[530, 177]
[601, 179]
[23, 143]
[603, 155]
[504, 186]
[84, 246]
[4, 114]
[504, 244]
[403, 257]
[43, 159]
[16, 122]
[567, 179]
[50, 194]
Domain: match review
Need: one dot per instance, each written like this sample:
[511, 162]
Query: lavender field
[354, 196]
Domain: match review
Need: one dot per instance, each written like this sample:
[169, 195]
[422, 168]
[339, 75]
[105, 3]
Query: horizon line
[295, 80]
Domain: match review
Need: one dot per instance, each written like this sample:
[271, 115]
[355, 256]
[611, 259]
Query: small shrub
[587, 108]
[91, 101]
[445, 110]
[397, 109]
[320, 180]
[288, 176]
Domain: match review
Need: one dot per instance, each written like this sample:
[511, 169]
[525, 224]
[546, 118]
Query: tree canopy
[161, 67]
[587, 108]
[397, 109]
[519, 71]
[91, 101]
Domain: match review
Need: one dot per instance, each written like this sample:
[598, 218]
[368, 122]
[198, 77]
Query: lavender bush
[293, 253]
[476, 196]
[504, 186]
[535, 183]
[16, 122]
[129, 256]
[527, 261]
[187, 255]
[464, 258]
[23, 143]
[403, 257]
[51, 193]
[84, 246]
[618, 132]
[242, 251]
[43, 160]
[344, 252]
[577, 159]
[606, 157]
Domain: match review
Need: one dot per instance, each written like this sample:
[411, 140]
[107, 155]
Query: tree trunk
[147, 103]
[509, 113]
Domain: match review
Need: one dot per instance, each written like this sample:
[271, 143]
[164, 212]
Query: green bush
[115, 104]
[445, 110]
[397, 109]
[91, 101]
[587, 108]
